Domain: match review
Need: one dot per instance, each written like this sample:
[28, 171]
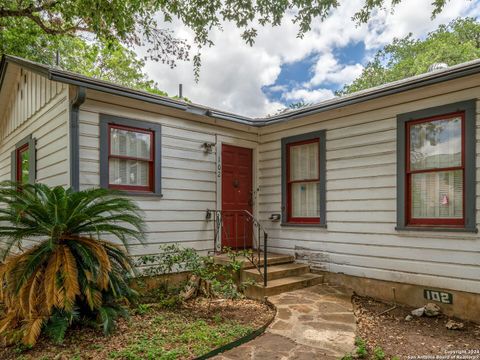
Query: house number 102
[440, 296]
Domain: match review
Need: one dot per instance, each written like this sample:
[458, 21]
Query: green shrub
[220, 279]
[172, 258]
[71, 274]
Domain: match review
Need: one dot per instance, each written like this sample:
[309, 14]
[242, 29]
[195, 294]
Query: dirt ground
[420, 338]
[152, 332]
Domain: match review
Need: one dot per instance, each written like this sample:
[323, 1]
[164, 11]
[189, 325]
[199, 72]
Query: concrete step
[272, 259]
[275, 272]
[279, 286]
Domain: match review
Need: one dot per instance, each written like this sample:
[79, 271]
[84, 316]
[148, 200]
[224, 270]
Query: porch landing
[283, 275]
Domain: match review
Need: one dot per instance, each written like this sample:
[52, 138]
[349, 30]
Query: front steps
[283, 275]
[285, 284]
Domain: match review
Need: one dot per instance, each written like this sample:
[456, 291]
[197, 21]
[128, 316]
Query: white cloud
[328, 70]
[309, 96]
[277, 88]
[233, 73]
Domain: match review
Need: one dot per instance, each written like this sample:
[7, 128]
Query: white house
[377, 189]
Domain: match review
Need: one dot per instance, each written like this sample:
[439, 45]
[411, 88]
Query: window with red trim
[131, 158]
[23, 164]
[303, 180]
[435, 171]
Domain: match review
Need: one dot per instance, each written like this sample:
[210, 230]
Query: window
[23, 161]
[435, 170]
[131, 158]
[303, 182]
[130, 155]
[303, 193]
[23, 165]
[439, 168]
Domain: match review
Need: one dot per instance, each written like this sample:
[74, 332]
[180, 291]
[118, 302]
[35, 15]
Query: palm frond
[50, 282]
[36, 292]
[70, 277]
[32, 330]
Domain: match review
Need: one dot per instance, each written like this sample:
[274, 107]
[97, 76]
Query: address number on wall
[440, 296]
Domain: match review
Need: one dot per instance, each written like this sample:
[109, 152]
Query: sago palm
[68, 271]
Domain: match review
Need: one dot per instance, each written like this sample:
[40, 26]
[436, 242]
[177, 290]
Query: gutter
[113, 89]
[77, 101]
[81, 81]
[381, 91]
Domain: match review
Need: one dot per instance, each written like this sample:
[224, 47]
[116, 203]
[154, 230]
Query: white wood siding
[360, 238]
[189, 176]
[39, 107]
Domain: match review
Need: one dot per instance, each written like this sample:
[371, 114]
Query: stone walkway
[311, 323]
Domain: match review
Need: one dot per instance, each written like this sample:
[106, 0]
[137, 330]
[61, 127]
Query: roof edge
[3, 70]
[451, 73]
[93, 84]
[435, 77]
[71, 78]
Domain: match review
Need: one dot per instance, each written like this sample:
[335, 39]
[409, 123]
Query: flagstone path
[311, 323]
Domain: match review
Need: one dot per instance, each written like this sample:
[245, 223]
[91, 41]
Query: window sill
[137, 193]
[321, 226]
[436, 228]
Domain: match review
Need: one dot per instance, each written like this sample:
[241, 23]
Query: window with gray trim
[130, 155]
[303, 180]
[23, 161]
[436, 168]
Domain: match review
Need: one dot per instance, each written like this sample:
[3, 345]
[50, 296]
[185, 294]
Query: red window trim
[432, 222]
[151, 161]
[290, 218]
[22, 149]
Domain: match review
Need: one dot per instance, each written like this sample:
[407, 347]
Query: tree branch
[26, 11]
[41, 24]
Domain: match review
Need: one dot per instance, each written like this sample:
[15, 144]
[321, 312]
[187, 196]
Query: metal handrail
[220, 229]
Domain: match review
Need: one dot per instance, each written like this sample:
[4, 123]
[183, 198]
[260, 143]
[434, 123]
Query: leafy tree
[137, 22]
[70, 274]
[452, 44]
[112, 62]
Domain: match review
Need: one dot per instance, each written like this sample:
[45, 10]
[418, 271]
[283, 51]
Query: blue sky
[280, 68]
[296, 73]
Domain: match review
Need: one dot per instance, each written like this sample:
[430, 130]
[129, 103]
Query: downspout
[75, 104]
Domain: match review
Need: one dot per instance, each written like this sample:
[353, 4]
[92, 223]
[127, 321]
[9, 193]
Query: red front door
[236, 196]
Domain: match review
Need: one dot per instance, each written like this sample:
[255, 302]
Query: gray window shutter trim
[321, 135]
[105, 120]
[13, 165]
[32, 171]
[32, 155]
[469, 107]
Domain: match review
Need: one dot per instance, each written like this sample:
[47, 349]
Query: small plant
[208, 277]
[170, 302]
[361, 348]
[378, 353]
[171, 258]
[142, 309]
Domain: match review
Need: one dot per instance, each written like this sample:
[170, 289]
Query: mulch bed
[153, 332]
[425, 336]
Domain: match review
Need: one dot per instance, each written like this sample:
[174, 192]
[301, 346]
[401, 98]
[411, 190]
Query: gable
[23, 94]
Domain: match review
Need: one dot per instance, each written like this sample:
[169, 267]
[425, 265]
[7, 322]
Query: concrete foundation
[464, 305]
